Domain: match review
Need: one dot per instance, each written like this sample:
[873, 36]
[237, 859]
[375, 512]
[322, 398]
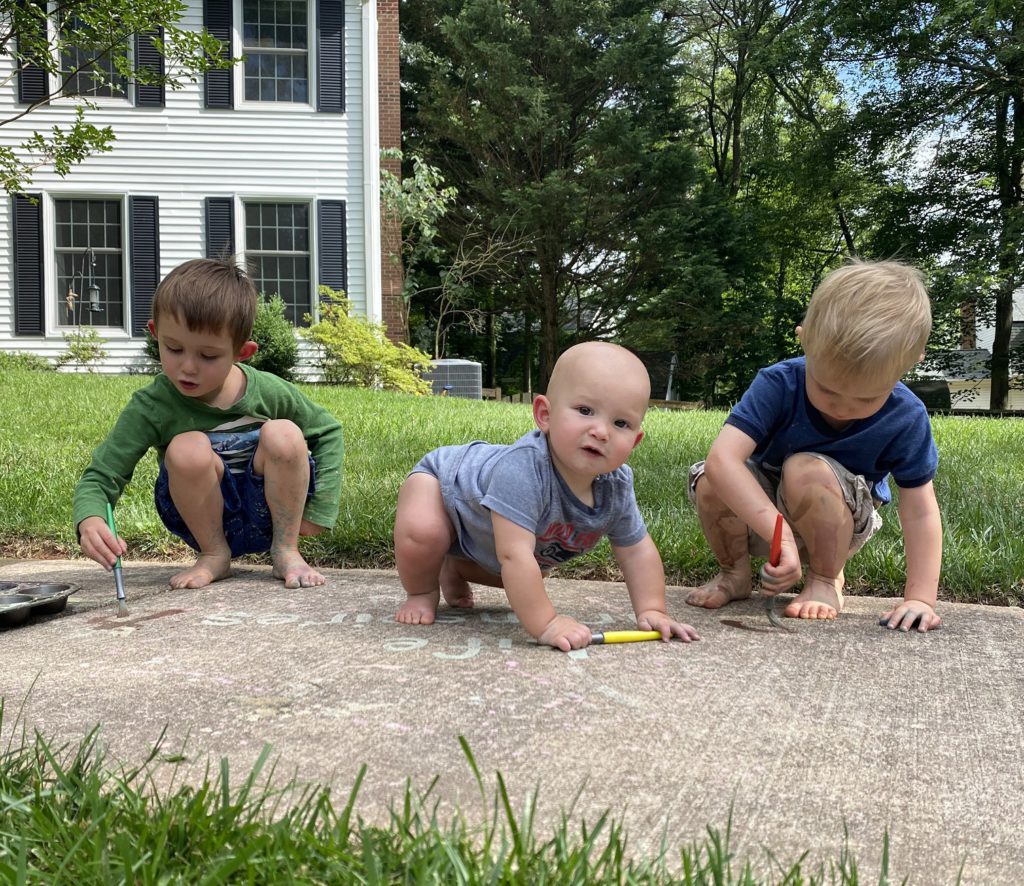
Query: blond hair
[868, 320]
[208, 295]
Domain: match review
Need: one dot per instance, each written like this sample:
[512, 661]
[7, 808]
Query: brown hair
[868, 320]
[208, 295]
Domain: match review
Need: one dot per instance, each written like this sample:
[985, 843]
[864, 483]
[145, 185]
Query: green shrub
[354, 351]
[152, 349]
[271, 330]
[85, 347]
[274, 333]
[23, 360]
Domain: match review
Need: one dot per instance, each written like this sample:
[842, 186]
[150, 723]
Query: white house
[970, 386]
[276, 160]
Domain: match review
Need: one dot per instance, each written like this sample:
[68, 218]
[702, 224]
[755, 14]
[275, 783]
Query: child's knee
[189, 453]
[422, 535]
[804, 471]
[282, 439]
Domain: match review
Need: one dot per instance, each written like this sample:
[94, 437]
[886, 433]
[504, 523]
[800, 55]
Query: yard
[53, 421]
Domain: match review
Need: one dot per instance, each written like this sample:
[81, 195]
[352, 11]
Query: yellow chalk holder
[600, 637]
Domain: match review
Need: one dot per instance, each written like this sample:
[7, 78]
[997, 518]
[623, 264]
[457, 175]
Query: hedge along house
[276, 160]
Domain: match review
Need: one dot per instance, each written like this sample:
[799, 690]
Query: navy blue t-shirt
[776, 414]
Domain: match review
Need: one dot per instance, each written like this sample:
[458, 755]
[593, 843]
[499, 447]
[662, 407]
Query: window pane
[90, 283]
[87, 69]
[275, 41]
[276, 246]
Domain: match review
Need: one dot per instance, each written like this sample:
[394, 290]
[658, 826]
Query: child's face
[592, 425]
[197, 363]
[841, 400]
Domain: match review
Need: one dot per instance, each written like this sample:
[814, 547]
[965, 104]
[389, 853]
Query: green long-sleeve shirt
[159, 412]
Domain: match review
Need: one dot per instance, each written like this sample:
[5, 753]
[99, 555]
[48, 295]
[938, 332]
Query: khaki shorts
[856, 492]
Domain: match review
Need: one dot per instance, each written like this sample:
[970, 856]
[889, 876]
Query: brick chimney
[390, 137]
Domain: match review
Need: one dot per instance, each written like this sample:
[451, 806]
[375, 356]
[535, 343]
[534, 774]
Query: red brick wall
[390, 137]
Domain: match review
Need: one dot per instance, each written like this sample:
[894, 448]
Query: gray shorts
[856, 492]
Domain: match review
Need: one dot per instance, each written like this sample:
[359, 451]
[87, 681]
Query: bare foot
[291, 568]
[455, 588]
[821, 598]
[418, 609]
[723, 588]
[207, 569]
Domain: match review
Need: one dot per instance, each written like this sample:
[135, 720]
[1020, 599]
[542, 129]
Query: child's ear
[800, 334]
[639, 437]
[246, 351]
[542, 412]
[151, 326]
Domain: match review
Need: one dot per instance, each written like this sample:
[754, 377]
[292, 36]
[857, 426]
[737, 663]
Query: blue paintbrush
[122, 605]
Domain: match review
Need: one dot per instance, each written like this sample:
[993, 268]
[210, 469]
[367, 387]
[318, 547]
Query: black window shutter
[330, 55]
[28, 264]
[148, 56]
[220, 227]
[32, 85]
[332, 249]
[217, 18]
[144, 244]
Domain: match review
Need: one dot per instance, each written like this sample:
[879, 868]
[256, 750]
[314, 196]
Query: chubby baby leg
[821, 517]
[423, 535]
[727, 536]
[456, 574]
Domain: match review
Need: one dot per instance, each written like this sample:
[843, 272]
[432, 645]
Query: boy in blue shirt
[505, 515]
[815, 439]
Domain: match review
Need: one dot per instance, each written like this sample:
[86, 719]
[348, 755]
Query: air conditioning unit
[456, 378]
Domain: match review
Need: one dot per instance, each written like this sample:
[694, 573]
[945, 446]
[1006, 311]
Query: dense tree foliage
[559, 125]
[947, 78]
[682, 174]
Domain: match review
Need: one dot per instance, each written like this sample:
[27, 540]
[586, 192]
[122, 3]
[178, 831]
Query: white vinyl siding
[183, 153]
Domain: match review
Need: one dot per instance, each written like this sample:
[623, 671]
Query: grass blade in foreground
[67, 816]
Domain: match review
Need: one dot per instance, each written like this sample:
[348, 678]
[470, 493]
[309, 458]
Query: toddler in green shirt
[248, 463]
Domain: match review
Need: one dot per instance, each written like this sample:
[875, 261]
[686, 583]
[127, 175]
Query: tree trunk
[1001, 348]
[549, 326]
[1009, 134]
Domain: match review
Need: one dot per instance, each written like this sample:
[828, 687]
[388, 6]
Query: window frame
[53, 10]
[53, 300]
[238, 71]
[310, 202]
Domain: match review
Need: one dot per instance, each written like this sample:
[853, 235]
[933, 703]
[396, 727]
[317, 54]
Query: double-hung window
[74, 52]
[277, 250]
[294, 53]
[275, 43]
[87, 66]
[88, 248]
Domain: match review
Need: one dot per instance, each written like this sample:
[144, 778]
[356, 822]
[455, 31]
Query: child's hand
[910, 611]
[779, 579]
[98, 542]
[654, 620]
[565, 633]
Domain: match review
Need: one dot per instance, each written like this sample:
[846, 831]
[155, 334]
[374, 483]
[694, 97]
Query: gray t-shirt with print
[520, 483]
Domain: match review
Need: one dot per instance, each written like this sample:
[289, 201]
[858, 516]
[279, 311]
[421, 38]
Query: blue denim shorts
[248, 526]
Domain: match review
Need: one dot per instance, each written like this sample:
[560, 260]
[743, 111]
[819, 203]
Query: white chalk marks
[438, 644]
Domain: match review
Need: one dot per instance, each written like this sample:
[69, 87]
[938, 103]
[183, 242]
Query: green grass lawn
[67, 815]
[52, 422]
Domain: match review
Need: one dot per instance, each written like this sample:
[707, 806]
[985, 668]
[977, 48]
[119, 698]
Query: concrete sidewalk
[838, 724]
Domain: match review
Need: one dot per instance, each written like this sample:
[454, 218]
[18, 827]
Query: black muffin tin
[19, 600]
